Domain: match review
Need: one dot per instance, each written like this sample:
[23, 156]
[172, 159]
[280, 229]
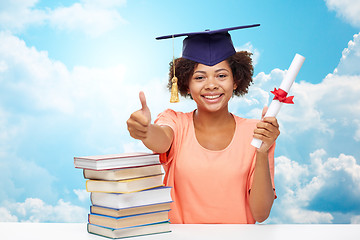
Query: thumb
[264, 112]
[144, 108]
[143, 101]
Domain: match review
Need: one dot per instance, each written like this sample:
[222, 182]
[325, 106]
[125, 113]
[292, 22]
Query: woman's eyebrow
[199, 71]
[222, 69]
[217, 70]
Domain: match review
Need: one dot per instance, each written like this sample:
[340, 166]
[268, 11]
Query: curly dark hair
[240, 64]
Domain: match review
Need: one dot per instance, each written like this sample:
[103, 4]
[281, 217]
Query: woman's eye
[222, 75]
[199, 78]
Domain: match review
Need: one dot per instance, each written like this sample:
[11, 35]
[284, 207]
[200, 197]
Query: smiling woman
[216, 175]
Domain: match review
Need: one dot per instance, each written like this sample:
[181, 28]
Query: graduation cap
[208, 47]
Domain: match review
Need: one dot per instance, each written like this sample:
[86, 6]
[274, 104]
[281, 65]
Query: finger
[143, 100]
[138, 127]
[262, 132]
[269, 127]
[264, 111]
[261, 136]
[137, 135]
[136, 130]
[138, 117]
[271, 120]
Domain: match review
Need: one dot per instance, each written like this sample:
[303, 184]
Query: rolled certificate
[281, 93]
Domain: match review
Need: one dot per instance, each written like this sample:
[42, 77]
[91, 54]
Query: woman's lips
[212, 96]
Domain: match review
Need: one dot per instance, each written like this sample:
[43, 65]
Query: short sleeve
[167, 118]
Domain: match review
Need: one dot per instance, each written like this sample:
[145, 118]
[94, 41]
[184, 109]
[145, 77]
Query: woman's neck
[208, 120]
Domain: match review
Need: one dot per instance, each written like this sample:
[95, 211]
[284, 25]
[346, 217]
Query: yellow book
[124, 186]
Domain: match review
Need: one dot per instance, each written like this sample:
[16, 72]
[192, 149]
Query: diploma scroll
[281, 93]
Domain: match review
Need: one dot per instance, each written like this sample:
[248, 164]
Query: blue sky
[70, 73]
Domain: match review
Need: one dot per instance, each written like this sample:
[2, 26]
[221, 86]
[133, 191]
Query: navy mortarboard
[206, 47]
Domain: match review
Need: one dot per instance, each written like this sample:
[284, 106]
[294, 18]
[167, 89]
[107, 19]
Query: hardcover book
[113, 161]
[129, 211]
[124, 186]
[163, 227]
[126, 200]
[123, 173]
[128, 221]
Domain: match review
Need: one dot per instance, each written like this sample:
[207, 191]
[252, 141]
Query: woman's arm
[156, 138]
[262, 193]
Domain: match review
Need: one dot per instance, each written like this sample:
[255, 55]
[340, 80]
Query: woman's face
[211, 87]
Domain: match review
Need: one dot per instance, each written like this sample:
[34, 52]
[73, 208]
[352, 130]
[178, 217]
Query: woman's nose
[211, 84]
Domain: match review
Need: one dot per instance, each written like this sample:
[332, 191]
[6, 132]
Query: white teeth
[212, 97]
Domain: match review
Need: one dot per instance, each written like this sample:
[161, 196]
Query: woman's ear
[235, 86]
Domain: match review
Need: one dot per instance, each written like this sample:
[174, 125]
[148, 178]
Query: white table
[77, 231]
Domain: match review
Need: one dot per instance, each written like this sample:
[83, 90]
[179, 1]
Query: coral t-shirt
[209, 186]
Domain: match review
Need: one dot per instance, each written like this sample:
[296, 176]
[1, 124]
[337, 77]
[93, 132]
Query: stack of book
[127, 194]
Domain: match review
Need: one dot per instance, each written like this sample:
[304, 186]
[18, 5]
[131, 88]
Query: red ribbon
[281, 96]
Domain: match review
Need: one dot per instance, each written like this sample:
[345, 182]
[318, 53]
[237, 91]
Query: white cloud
[24, 177]
[93, 17]
[346, 9]
[350, 59]
[82, 194]
[290, 172]
[355, 219]
[321, 106]
[357, 132]
[315, 192]
[49, 85]
[6, 216]
[36, 210]
[250, 48]
[18, 14]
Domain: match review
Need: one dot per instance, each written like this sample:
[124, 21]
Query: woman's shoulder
[175, 115]
[245, 121]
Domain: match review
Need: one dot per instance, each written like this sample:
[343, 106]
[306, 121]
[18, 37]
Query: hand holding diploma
[267, 131]
[281, 93]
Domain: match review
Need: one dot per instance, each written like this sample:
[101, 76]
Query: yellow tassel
[174, 98]
[174, 91]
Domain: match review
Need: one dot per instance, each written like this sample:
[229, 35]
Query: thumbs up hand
[139, 121]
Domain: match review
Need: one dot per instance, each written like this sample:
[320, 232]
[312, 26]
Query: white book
[114, 161]
[126, 200]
